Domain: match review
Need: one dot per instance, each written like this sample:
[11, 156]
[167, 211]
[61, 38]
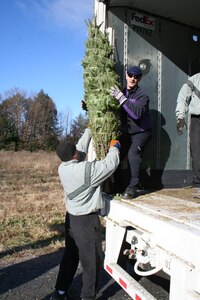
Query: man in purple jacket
[135, 109]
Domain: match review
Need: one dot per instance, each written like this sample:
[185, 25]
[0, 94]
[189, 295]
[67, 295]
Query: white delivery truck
[158, 232]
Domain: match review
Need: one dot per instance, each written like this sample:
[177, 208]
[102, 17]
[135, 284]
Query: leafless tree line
[33, 123]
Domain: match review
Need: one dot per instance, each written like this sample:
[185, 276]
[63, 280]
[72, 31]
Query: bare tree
[64, 123]
[77, 127]
[13, 115]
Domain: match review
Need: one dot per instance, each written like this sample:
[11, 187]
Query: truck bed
[180, 205]
[171, 217]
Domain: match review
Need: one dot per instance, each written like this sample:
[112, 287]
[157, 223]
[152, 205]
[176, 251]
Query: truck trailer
[163, 39]
[157, 233]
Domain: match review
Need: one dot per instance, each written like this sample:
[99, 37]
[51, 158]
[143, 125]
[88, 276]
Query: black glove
[115, 92]
[83, 105]
[180, 125]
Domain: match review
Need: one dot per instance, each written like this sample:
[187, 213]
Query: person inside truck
[135, 122]
[81, 182]
[188, 101]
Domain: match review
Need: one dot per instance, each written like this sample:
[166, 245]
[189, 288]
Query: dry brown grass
[32, 205]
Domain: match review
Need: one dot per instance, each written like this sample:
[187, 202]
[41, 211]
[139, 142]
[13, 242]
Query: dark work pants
[138, 143]
[82, 241]
[195, 147]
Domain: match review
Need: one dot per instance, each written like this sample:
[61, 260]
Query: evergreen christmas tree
[99, 76]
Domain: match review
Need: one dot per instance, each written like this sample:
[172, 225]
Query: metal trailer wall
[169, 53]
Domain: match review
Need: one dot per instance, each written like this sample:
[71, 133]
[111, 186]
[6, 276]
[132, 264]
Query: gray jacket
[187, 101]
[81, 179]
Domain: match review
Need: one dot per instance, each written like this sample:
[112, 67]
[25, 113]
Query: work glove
[115, 143]
[180, 125]
[83, 105]
[115, 92]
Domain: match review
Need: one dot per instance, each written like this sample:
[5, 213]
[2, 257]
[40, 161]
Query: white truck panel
[167, 234]
[174, 223]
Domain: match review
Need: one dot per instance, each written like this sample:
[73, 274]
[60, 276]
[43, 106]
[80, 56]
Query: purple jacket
[135, 112]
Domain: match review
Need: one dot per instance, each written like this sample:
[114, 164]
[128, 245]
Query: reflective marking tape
[108, 269]
[123, 283]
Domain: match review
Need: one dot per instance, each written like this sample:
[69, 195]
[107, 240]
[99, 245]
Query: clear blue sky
[42, 44]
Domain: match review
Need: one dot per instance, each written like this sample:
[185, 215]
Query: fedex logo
[143, 21]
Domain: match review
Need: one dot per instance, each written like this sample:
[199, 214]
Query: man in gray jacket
[81, 182]
[189, 101]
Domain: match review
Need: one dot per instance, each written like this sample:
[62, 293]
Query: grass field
[32, 207]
